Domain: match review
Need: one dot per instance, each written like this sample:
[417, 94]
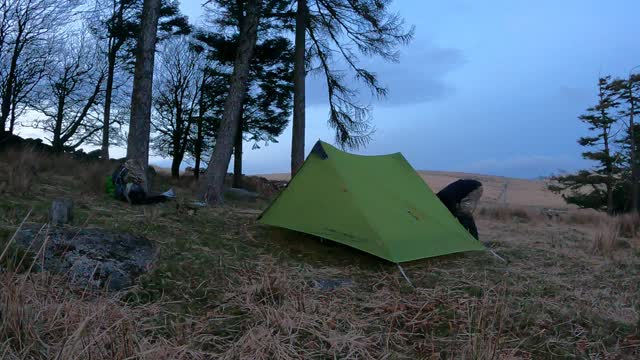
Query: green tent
[377, 204]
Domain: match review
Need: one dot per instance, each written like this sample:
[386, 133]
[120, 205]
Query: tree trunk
[298, 130]
[140, 124]
[609, 167]
[199, 131]
[198, 148]
[12, 120]
[7, 96]
[212, 188]
[56, 142]
[108, 94]
[175, 165]
[634, 165]
[177, 142]
[237, 155]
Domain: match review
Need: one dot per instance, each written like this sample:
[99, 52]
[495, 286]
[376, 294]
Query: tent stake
[497, 256]
[404, 275]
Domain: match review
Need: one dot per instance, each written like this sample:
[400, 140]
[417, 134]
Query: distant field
[519, 192]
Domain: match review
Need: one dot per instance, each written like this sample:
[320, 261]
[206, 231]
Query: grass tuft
[606, 238]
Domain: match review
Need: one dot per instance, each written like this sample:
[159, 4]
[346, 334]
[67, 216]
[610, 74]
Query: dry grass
[511, 214]
[606, 238]
[224, 287]
[26, 168]
[584, 217]
[629, 225]
[278, 315]
[43, 318]
[269, 311]
[21, 171]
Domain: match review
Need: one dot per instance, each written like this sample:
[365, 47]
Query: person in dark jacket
[461, 198]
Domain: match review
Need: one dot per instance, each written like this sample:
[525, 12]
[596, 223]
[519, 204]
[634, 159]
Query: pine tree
[603, 179]
[299, 86]
[212, 188]
[628, 91]
[343, 29]
[267, 106]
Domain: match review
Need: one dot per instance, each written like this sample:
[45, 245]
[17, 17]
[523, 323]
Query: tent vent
[319, 150]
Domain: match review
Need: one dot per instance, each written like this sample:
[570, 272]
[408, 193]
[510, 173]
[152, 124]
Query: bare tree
[212, 187]
[114, 23]
[214, 85]
[140, 124]
[26, 31]
[117, 24]
[70, 93]
[177, 96]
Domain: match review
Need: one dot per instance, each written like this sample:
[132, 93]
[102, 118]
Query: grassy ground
[226, 287]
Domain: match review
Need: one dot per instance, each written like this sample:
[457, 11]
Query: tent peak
[322, 149]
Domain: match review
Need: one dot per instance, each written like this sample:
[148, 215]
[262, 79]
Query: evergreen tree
[250, 13]
[629, 96]
[299, 87]
[267, 106]
[270, 17]
[342, 30]
[595, 188]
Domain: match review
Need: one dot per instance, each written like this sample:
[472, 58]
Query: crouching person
[461, 198]
[130, 184]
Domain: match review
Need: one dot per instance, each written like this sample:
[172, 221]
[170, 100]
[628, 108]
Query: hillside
[224, 287]
[519, 192]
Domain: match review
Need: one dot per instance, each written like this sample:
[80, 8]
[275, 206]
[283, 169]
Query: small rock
[241, 194]
[151, 176]
[622, 244]
[331, 284]
[61, 212]
[96, 258]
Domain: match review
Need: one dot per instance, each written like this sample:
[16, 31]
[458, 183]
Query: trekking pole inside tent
[404, 275]
[497, 256]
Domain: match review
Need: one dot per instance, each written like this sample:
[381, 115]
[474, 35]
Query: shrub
[606, 238]
[510, 214]
[629, 225]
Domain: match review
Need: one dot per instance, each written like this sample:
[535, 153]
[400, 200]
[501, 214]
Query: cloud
[527, 166]
[575, 95]
[418, 77]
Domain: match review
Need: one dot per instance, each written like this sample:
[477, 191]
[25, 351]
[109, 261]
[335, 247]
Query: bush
[606, 238]
[510, 214]
[22, 168]
[629, 225]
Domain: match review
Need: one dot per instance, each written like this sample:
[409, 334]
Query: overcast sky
[490, 87]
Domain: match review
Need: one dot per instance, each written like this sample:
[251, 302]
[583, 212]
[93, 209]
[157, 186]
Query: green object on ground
[109, 186]
[378, 204]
